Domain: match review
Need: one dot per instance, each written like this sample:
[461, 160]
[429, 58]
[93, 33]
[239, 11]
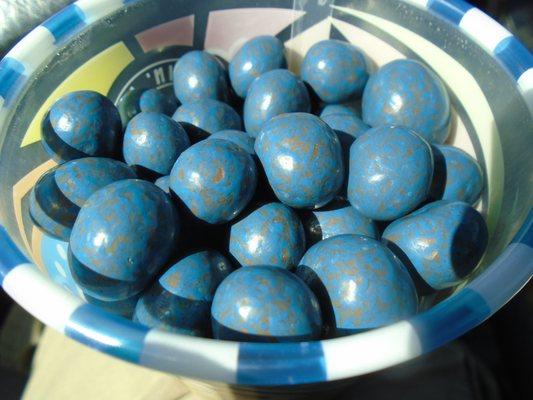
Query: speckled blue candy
[302, 158]
[123, 235]
[346, 124]
[390, 172]
[240, 138]
[338, 220]
[405, 92]
[215, 179]
[348, 128]
[336, 70]
[163, 183]
[273, 93]
[443, 241]
[346, 108]
[457, 175]
[204, 117]
[257, 56]
[199, 75]
[154, 141]
[265, 304]
[153, 100]
[124, 308]
[81, 124]
[360, 284]
[56, 198]
[180, 301]
[271, 235]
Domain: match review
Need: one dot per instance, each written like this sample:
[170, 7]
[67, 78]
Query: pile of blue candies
[266, 206]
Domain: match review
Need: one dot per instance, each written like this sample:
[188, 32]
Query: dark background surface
[493, 361]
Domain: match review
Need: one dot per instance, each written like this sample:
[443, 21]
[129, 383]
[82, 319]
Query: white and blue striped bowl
[114, 46]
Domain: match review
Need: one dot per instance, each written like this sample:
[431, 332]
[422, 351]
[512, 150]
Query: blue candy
[154, 141]
[360, 284]
[123, 235]
[204, 117]
[348, 128]
[82, 124]
[199, 75]
[153, 100]
[338, 219]
[273, 93]
[180, 301]
[56, 198]
[124, 308]
[257, 56]
[271, 235]
[443, 241]
[336, 70]
[345, 108]
[457, 175]
[163, 183]
[405, 92]
[240, 138]
[302, 158]
[215, 179]
[265, 304]
[390, 172]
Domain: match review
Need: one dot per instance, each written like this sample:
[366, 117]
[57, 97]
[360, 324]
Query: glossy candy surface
[343, 108]
[163, 183]
[457, 176]
[215, 179]
[302, 158]
[57, 196]
[390, 172]
[336, 70]
[257, 56]
[337, 219]
[359, 282]
[443, 241]
[180, 301]
[406, 93]
[273, 93]
[271, 235]
[199, 75]
[153, 100]
[240, 138]
[82, 124]
[265, 304]
[154, 141]
[204, 117]
[123, 235]
[348, 128]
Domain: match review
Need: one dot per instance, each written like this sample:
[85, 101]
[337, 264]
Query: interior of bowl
[116, 47]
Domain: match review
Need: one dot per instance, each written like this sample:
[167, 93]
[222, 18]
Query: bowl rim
[265, 364]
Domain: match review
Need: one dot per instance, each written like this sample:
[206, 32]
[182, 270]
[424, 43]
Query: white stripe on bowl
[525, 83]
[370, 351]
[34, 49]
[96, 9]
[39, 296]
[483, 29]
[211, 359]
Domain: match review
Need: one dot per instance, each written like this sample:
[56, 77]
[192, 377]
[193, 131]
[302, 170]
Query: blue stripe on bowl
[11, 72]
[514, 56]
[10, 255]
[105, 332]
[451, 10]
[280, 363]
[450, 319]
[65, 22]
